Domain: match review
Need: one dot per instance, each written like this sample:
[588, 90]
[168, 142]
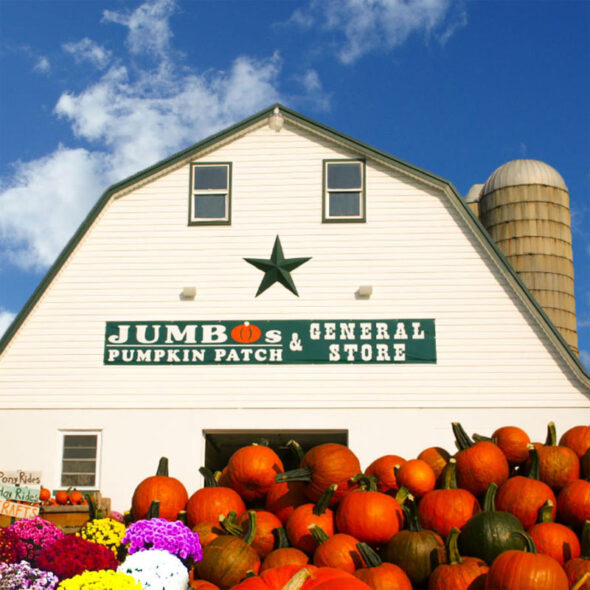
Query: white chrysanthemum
[156, 569]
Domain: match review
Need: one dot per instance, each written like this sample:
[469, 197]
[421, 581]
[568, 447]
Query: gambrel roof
[453, 198]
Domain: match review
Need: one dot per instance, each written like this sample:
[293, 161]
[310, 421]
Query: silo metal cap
[519, 172]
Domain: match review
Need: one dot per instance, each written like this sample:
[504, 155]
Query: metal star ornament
[277, 269]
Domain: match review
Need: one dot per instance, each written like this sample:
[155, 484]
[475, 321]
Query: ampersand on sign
[295, 343]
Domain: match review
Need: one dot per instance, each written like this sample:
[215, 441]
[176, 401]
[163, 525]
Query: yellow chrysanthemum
[101, 580]
[104, 531]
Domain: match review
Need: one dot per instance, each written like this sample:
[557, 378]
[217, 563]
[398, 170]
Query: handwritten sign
[20, 478]
[22, 493]
[15, 510]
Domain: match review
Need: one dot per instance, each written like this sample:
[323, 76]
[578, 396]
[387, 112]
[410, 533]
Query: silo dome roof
[474, 193]
[519, 172]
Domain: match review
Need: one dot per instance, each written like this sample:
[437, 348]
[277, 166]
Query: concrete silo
[524, 205]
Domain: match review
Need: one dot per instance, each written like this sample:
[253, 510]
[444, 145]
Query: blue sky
[92, 91]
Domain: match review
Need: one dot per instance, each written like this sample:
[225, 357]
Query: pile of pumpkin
[500, 514]
[71, 497]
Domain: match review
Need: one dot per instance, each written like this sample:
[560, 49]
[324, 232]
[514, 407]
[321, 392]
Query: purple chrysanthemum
[159, 533]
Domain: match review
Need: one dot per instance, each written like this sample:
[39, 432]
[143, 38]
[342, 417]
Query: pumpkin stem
[401, 495]
[367, 483]
[251, 529]
[480, 437]
[318, 533]
[325, 499]
[298, 580]
[551, 440]
[529, 544]
[91, 506]
[182, 516]
[163, 467]
[545, 513]
[462, 439]
[586, 540]
[411, 514]
[209, 477]
[369, 555]
[489, 501]
[449, 475]
[230, 524]
[452, 546]
[301, 474]
[154, 510]
[261, 442]
[533, 472]
[296, 449]
[280, 534]
[580, 583]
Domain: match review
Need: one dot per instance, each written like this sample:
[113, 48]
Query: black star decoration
[277, 269]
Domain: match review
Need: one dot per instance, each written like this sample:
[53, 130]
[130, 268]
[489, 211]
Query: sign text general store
[270, 342]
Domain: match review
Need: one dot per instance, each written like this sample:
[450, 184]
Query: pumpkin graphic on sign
[246, 333]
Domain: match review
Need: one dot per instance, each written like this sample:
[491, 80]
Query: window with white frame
[210, 198]
[80, 459]
[344, 190]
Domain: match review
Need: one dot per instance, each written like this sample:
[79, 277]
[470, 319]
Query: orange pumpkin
[338, 551]
[437, 458]
[417, 476]
[383, 469]
[577, 439]
[252, 470]
[380, 575]
[168, 491]
[62, 497]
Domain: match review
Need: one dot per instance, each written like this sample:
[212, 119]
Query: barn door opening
[221, 444]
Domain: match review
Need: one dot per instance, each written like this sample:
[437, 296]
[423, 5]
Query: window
[80, 459]
[210, 194]
[221, 444]
[344, 190]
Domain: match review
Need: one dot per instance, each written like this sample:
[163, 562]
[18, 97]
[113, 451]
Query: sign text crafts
[270, 342]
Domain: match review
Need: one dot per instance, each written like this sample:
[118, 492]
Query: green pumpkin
[417, 551]
[490, 532]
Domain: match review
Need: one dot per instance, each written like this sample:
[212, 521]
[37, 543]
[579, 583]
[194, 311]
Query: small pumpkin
[520, 570]
[211, 501]
[552, 538]
[383, 469]
[369, 515]
[297, 526]
[228, 559]
[523, 495]
[558, 465]
[576, 438]
[490, 532]
[338, 551]
[380, 575]
[437, 458]
[62, 497]
[252, 469]
[459, 573]
[417, 551]
[417, 476]
[283, 554]
[512, 441]
[573, 504]
[168, 491]
[322, 466]
[478, 463]
[441, 510]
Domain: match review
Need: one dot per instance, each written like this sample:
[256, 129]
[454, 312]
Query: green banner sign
[270, 342]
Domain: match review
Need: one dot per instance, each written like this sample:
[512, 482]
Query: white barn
[387, 314]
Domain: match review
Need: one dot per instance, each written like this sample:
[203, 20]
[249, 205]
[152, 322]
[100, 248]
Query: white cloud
[128, 119]
[364, 26]
[585, 358]
[88, 50]
[149, 31]
[43, 65]
[6, 318]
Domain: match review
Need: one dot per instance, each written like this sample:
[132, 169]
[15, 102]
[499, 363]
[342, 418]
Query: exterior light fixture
[276, 121]
[188, 292]
[364, 291]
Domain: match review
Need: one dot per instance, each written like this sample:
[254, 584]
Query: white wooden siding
[414, 250]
